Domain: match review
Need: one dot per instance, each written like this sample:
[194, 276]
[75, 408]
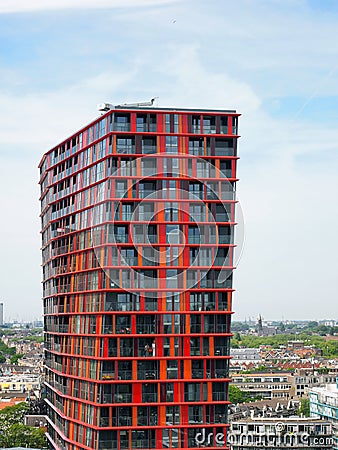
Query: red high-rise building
[137, 244]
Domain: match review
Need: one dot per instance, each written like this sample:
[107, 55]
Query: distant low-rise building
[306, 381]
[241, 356]
[20, 383]
[293, 432]
[324, 403]
[265, 385]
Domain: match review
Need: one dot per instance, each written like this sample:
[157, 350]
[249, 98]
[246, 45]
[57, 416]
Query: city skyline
[273, 61]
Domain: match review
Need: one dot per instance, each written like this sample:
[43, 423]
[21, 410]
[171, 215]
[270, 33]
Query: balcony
[122, 421]
[226, 173]
[195, 328]
[151, 305]
[224, 151]
[125, 149]
[123, 398]
[108, 375]
[125, 375]
[145, 329]
[219, 396]
[149, 149]
[119, 126]
[195, 351]
[150, 398]
[221, 374]
[128, 261]
[107, 445]
[197, 373]
[221, 351]
[219, 261]
[143, 443]
[126, 352]
[144, 193]
[147, 421]
[147, 283]
[147, 375]
[224, 238]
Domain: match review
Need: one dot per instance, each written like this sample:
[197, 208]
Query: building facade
[272, 433]
[138, 214]
[266, 385]
[324, 404]
[305, 382]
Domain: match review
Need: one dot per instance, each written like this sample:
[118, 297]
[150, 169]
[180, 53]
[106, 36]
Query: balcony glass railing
[145, 329]
[221, 351]
[219, 396]
[104, 422]
[123, 398]
[146, 192]
[128, 261]
[126, 352]
[147, 284]
[147, 375]
[224, 151]
[147, 421]
[197, 373]
[122, 126]
[151, 305]
[107, 445]
[125, 375]
[221, 374]
[219, 261]
[123, 421]
[125, 149]
[195, 351]
[148, 149]
[141, 239]
[149, 398]
[143, 443]
[226, 173]
[209, 129]
[195, 329]
[224, 239]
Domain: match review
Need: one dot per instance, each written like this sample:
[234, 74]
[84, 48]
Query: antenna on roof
[104, 107]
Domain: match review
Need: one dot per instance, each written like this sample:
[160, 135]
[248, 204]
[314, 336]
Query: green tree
[237, 336]
[13, 433]
[20, 435]
[14, 359]
[236, 395]
[13, 414]
[304, 407]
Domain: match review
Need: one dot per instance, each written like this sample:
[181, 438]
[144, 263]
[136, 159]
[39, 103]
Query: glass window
[171, 144]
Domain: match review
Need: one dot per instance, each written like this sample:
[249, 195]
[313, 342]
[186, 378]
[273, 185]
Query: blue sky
[274, 61]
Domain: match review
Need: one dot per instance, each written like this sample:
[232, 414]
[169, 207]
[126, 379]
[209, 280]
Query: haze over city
[272, 61]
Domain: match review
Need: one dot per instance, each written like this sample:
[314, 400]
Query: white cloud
[44, 118]
[8, 6]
